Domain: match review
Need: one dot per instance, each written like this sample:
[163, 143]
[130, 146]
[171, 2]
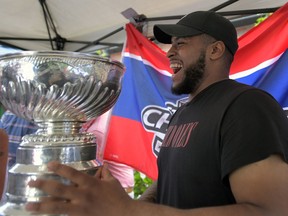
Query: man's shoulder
[236, 88]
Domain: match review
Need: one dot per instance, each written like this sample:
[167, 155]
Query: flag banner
[262, 57]
[141, 115]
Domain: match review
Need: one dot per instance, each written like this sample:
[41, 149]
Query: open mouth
[176, 67]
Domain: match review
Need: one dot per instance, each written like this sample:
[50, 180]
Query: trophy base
[31, 164]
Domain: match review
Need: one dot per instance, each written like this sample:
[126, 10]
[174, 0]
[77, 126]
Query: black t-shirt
[226, 126]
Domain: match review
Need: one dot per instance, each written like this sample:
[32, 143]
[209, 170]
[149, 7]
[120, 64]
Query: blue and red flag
[141, 115]
[262, 57]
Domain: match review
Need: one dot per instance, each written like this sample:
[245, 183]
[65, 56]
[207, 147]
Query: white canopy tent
[89, 25]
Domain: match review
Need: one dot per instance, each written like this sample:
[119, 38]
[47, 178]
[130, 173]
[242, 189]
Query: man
[16, 128]
[225, 151]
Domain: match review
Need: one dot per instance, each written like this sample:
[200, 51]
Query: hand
[87, 195]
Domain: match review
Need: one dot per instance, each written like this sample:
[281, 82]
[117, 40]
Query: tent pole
[102, 38]
[42, 2]
[227, 3]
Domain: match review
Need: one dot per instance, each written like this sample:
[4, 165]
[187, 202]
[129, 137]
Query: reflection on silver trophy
[59, 91]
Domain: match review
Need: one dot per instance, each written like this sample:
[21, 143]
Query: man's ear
[216, 50]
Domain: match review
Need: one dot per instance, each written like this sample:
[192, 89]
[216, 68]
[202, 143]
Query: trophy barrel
[59, 91]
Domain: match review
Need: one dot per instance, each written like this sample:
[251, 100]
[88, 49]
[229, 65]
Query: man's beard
[193, 77]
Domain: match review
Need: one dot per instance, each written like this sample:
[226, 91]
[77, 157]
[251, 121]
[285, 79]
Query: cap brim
[163, 33]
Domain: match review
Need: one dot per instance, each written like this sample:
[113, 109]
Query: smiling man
[225, 151]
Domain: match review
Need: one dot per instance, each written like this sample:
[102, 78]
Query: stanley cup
[59, 91]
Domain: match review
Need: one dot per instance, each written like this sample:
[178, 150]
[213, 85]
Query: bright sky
[6, 50]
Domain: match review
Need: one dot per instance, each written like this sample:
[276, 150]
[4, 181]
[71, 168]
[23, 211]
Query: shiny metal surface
[58, 85]
[59, 91]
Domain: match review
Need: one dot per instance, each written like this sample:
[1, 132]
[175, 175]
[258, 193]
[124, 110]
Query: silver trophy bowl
[59, 91]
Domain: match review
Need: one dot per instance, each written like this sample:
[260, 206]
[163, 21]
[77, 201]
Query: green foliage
[261, 19]
[102, 53]
[141, 183]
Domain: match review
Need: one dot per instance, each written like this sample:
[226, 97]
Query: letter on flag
[141, 115]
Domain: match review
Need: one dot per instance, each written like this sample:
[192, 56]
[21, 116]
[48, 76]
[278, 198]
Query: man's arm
[259, 189]
[263, 184]
[150, 194]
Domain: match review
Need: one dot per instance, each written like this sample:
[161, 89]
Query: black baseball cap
[199, 22]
